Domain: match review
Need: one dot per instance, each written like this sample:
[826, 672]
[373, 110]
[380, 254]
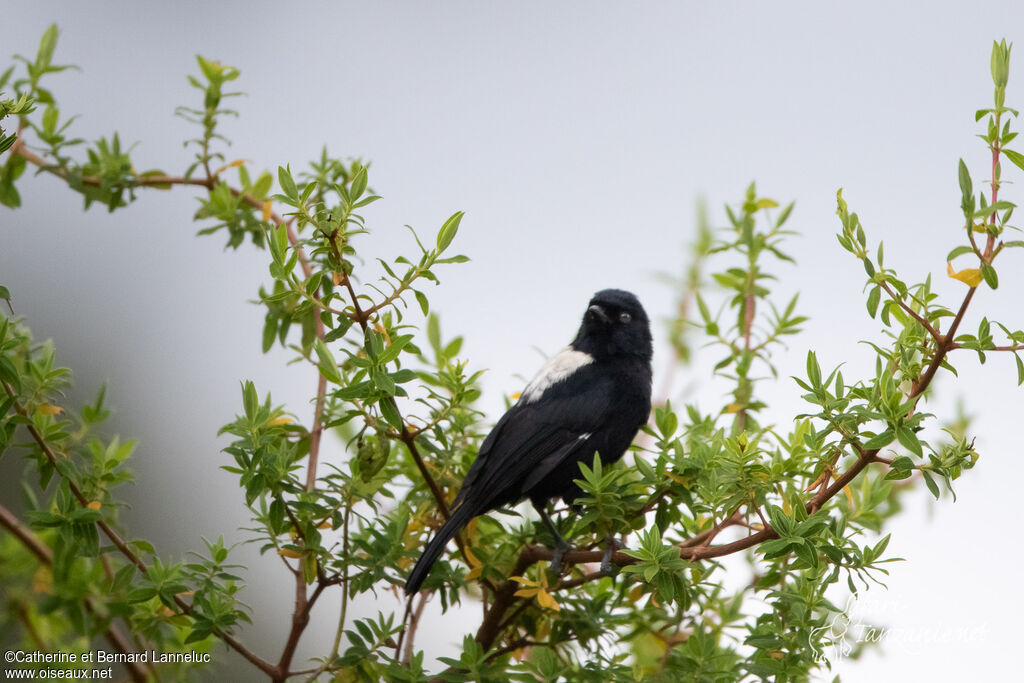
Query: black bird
[594, 395]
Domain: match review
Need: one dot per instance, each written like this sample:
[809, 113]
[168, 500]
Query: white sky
[577, 138]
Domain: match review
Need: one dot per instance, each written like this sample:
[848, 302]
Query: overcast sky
[578, 138]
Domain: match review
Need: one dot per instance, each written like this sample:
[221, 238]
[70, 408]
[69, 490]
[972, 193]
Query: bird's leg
[561, 545]
[611, 544]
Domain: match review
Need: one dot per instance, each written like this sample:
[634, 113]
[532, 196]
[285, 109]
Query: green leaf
[874, 296]
[86, 516]
[989, 274]
[895, 475]
[1016, 157]
[269, 332]
[391, 352]
[358, 390]
[448, 230]
[902, 463]
[358, 185]
[47, 44]
[781, 522]
[807, 553]
[880, 441]
[813, 369]
[988, 210]
[389, 411]
[930, 483]
[966, 188]
[784, 214]
[383, 381]
[421, 299]
[881, 546]
[373, 343]
[458, 258]
[250, 400]
[50, 115]
[959, 251]
[327, 365]
[908, 440]
[284, 177]
[278, 243]
[343, 326]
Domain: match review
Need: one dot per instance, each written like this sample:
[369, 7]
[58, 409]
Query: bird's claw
[611, 545]
[557, 555]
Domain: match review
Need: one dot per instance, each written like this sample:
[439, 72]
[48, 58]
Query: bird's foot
[558, 554]
[611, 544]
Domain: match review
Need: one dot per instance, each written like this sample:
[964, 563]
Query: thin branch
[318, 421]
[414, 622]
[493, 624]
[1008, 347]
[26, 620]
[120, 544]
[523, 604]
[405, 620]
[912, 313]
[942, 348]
[22, 150]
[407, 437]
[764, 522]
[51, 457]
[734, 518]
[653, 502]
[301, 617]
[579, 581]
[513, 646]
[697, 548]
[27, 538]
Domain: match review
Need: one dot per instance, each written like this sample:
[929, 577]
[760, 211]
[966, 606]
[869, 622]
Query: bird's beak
[597, 312]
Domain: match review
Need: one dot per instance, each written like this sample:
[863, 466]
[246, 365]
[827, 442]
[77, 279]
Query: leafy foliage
[810, 499]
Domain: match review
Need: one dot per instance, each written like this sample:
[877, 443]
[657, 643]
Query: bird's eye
[624, 317]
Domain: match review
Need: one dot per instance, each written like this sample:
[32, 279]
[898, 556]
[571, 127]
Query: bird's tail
[459, 518]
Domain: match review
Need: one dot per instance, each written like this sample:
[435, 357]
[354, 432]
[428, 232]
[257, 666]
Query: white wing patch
[558, 367]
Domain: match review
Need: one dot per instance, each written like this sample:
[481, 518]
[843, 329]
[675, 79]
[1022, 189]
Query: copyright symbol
[9, 656]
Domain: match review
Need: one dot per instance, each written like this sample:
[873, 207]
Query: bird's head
[615, 325]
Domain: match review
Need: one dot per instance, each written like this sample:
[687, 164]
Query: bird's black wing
[534, 437]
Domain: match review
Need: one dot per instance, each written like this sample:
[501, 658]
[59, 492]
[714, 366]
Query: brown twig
[406, 615]
[406, 436]
[912, 313]
[300, 619]
[697, 547]
[117, 640]
[1008, 347]
[414, 621]
[579, 581]
[360, 316]
[120, 544]
[942, 348]
[735, 517]
[750, 304]
[653, 502]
